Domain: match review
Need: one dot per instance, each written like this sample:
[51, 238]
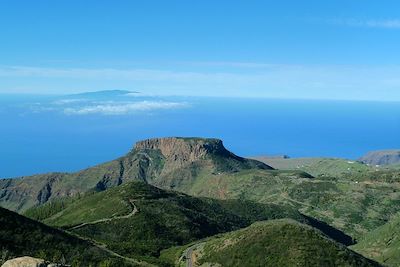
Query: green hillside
[20, 236]
[355, 203]
[316, 166]
[150, 219]
[383, 243]
[393, 167]
[271, 243]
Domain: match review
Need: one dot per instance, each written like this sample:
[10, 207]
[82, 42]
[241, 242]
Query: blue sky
[342, 49]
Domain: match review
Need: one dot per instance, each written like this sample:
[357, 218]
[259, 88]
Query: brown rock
[25, 262]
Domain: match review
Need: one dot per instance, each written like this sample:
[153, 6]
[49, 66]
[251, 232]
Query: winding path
[140, 263]
[189, 256]
[103, 246]
[113, 253]
[132, 213]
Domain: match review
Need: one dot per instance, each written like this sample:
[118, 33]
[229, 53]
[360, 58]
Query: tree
[57, 257]
[4, 255]
[106, 263]
[76, 263]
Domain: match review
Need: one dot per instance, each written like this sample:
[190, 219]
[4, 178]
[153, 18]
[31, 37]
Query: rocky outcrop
[30, 262]
[184, 149]
[382, 157]
[25, 262]
[182, 157]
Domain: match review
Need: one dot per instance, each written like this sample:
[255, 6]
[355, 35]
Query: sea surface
[68, 133]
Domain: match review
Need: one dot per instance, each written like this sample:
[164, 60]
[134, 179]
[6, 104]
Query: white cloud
[123, 108]
[393, 23]
[370, 23]
[232, 64]
[107, 73]
[349, 82]
[68, 101]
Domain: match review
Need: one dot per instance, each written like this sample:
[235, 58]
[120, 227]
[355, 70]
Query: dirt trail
[103, 246]
[113, 253]
[132, 213]
[298, 202]
[189, 255]
[141, 263]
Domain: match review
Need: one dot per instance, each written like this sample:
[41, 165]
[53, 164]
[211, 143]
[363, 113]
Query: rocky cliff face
[176, 162]
[382, 157]
[184, 150]
[21, 193]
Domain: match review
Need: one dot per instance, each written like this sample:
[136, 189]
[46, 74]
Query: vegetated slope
[383, 243]
[271, 243]
[316, 166]
[393, 167]
[137, 219]
[165, 162]
[21, 236]
[382, 157]
[355, 203]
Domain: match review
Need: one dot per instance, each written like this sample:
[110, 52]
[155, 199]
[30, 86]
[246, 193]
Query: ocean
[41, 134]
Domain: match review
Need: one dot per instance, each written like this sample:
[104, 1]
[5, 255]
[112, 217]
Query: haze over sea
[67, 133]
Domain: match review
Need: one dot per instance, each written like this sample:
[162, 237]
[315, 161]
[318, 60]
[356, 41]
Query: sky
[342, 49]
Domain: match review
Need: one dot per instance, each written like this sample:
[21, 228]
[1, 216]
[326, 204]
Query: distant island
[106, 93]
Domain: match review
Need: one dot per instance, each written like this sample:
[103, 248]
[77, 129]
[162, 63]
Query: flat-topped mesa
[186, 149]
[178, 154]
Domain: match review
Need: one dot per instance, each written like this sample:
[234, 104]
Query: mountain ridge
[164, 162]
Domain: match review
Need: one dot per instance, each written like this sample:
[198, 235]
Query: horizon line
[140, 94]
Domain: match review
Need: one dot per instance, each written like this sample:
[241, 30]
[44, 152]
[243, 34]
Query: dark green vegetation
[383, 243]
[355, 203]
[272, 243]
[20, 236]
[149, 219]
